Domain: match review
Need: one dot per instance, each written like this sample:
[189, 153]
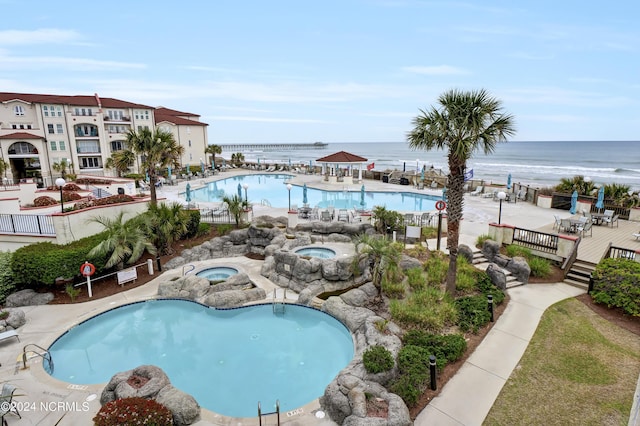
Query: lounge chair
[325, 216]
[476, 191]
[493, 195]
[425, 219]
[610, 220]
[7, 406]
[9, 334]
[556, 225]
[637, 235]
[409, 219]
[434, 185]
[343, 215]
[355, 215]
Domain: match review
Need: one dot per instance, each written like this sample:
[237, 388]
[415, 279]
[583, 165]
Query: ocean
[539, 164]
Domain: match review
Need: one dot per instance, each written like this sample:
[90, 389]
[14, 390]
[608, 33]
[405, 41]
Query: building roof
[167, 111]
[342, 157]
[78, 100]
[21, 135]
[177, 120]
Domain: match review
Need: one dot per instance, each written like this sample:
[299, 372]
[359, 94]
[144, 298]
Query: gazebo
[339, 167]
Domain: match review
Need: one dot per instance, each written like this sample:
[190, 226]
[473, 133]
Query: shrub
[203, 229]
[91, 181]
[540, 267]
[193, 221]
[413, 365]
[436, 271]
[481, 239]
[429, 232]
[446, 348]
[409, 388]
[7, 283]
[133, 411]
[224, 229]
[71, 187]
[72, 292]
[415, 278]
[430, 309]
[4, 315]
[513, 250]
[70, 196]
[486, 287]
[393, 289]
[473, 312]
[42, 263]
[616, 282]
[114, 199]
[44, 201]
[377, 359]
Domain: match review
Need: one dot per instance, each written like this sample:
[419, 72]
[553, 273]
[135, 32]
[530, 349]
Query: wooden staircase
[580, 274]
[481, 262]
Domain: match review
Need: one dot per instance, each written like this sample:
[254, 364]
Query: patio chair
[610, 220]
[584, 227]
[314, 214]
[425, 219]
[637, 235]
[409, 219]
[343, 215]
[477, 191]
[565, 226]
[325, 216]
[6, 405]
[556, 224]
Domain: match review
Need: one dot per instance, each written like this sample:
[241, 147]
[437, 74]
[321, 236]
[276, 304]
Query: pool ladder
[45, 354]
[191, 268]
[278, 305]
[277, 412]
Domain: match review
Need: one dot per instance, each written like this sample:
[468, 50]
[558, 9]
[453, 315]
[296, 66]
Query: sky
[336, 70]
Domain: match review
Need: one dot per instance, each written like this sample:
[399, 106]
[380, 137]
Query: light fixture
[289, 186]
[501, 196]
[60, 183]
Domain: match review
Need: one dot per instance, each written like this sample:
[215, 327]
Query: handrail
[619, 252]
[185, 266]
[568, 262]
[46, 355]
[277, 412]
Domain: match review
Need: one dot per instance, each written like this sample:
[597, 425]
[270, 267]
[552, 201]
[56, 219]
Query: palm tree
[121, 161]
[237, 158]
[126, 241]
[164, 224]
[578, 183]
[61, 167]
[157, 150]
[236, 205]
[463, 123]
[213, 150]
[4, 166]
[384, 256]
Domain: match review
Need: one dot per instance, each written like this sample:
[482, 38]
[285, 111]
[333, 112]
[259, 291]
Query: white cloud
[62, 63]
[436, 70]
[40, 36]
[264, 119]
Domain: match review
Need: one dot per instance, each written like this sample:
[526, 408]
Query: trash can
[120, 191]
[385, 179]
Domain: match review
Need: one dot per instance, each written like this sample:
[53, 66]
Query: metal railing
[9, 187]
[619, 253]
[35, 224]
[216, 216]
[535, 240]
[276, 412]
[569, 261]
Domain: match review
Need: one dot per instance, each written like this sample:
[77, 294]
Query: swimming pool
[217, 273]
[320, 252]
[227, 359]
[272, 187]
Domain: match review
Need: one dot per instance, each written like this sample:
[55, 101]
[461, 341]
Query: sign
[413, 231]
[441, 205]
[127, 276]
[468, 175]
[87, 269]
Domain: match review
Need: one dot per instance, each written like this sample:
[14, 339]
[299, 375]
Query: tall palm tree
[236, 205]
[61, 166]
[157, 150]
[463, 123]
[126, 241]
[384, 256]
[213, 150]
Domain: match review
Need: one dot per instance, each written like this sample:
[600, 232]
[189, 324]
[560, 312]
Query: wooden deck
[592, 248]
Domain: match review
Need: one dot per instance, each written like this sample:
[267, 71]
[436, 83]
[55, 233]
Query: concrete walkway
[467, 398]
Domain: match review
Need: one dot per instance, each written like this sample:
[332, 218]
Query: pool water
[321, 252]
[217, 273]
[272, 188]
[228, 360]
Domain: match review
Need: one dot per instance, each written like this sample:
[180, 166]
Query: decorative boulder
[184, 407]
[520, 269]
[490, 249]
[466, 252]
[15, 319]
[27, 297]
[497, 276]
[408, 262]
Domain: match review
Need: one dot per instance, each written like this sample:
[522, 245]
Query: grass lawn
[578, 370]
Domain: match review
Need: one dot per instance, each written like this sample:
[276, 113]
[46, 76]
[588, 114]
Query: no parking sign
[441, 205]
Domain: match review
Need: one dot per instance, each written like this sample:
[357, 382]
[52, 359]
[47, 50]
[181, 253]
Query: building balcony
[117, 119]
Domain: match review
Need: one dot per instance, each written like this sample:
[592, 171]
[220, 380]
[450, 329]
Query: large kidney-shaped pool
[229, 360]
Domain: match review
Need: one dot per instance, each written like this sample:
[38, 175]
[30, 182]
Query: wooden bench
[9, 334]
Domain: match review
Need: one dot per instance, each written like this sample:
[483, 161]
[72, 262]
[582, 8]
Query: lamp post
[245, 186]
[60, 183]
[501, 196]
[289, 189]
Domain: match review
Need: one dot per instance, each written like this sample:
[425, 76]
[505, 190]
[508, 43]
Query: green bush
[193, 221]
[540, 267]
[133, 411]
[473, 312]
[409, 388]
[616, 282]
[42, 263]
[415, 278]
[224, 229]
[446, 348]
[7, 283]
[436, 271]
[413, 365]
[513, 250]
[486, 287]
[429, 232]
[431, 309]
[377, 359]
[481, 239]
[203, 229]
[393, 289]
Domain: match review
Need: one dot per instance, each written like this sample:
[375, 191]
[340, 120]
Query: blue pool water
[272, 187]
[217, 273]
[321, 252]
[227, 359]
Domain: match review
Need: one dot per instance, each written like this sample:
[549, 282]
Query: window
[50, 129]
[189, 142]
[188, 130]
[28, 126]
[76, 111]
[54, 146]
[14, 126]
[58, 110]
[190, 156]
[146, 115]
[61, 145]
[88, 147]
[90, 162]
[45, 111]
[137, 115]
[18, 110]
[118, 145]
[59, 128]
[22, 126]
[115, 114]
